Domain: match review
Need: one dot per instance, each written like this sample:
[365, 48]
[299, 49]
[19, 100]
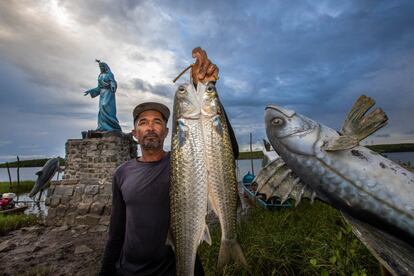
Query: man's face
[150, 130]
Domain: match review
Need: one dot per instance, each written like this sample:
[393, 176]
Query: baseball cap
[165, 112]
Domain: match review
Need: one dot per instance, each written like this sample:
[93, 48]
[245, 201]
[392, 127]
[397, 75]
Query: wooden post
[18, 175]
[10, 180]
[251, 153]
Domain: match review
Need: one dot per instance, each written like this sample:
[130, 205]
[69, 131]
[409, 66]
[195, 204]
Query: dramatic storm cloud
[315, 57]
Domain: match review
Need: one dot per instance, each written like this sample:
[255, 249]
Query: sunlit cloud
[313, 57]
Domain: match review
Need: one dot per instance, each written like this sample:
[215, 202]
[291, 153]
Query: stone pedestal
[83, 196]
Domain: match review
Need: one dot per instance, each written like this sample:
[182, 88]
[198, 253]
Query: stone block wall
[83, 196]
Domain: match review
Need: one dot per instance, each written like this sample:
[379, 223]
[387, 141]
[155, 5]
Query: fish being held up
[337, 170]
[189, 188]
[203, 174]
[222, 181]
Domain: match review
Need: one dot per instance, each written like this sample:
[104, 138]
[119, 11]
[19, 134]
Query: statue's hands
[203, 69]
[86, 93]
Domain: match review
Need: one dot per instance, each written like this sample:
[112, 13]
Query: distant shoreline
[30, 163]
[382, 148]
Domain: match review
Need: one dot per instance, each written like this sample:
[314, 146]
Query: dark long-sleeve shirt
[140, 220]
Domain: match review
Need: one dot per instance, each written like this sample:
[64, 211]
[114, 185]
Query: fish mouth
[288, 113]
[306, 129]
[301, 133]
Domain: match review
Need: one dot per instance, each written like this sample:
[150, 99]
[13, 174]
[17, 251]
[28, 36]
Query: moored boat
[249, 189]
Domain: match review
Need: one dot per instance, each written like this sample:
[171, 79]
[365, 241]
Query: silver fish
[45, 175]
[222, 181]
[352, 178]
[189, 188]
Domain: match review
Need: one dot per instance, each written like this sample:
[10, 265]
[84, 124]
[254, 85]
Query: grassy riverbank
[24, 187]
[12, 222]
[392, 147]
[307, 240]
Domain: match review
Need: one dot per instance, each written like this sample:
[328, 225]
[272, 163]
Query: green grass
[12, 222]
[252, 155]
[307, 240]
[23, 187]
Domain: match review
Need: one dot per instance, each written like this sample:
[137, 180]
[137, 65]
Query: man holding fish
[140, 217]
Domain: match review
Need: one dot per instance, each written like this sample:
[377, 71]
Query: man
[140, 205]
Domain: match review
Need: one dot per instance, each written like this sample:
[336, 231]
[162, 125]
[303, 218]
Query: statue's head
[103, 66]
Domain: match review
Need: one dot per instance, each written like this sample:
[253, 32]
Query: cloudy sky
[315, 57]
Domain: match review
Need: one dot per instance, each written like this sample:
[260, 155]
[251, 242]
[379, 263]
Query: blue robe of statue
[106, 89]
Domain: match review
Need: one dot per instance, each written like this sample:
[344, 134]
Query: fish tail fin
[359, 125]
[230, 250]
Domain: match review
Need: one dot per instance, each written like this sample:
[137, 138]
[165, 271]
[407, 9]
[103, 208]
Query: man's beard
[154, 143]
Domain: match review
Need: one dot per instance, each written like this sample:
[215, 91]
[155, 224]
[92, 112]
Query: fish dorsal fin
[276, 179]
[39, 173]
[358, 125]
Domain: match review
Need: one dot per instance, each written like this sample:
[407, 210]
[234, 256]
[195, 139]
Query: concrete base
[83, 196]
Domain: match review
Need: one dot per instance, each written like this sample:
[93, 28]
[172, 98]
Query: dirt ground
[44, 250]
[41, 250]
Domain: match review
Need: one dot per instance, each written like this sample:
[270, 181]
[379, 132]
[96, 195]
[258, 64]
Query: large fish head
[211, 107]
[294, 132]
[186, 103]
[210, 103]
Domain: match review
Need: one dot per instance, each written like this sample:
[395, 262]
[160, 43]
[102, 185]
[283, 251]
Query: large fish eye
[210, 89]
[277, 121]
[181, 89]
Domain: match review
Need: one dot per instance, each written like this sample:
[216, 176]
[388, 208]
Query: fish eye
[277, 121]
[210, 89]
[181, 89]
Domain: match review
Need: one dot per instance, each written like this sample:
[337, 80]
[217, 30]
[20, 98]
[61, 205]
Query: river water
[35, 206]
[25, 174]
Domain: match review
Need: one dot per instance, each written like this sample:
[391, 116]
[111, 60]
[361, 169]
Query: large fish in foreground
[334, 168]
[45, 175]
[222, 181]
[189, 188]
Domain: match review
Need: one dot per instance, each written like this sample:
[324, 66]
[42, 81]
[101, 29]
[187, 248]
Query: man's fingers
[203, 70]
[211, 69]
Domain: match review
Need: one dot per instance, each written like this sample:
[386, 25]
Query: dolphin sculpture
[45, 175]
